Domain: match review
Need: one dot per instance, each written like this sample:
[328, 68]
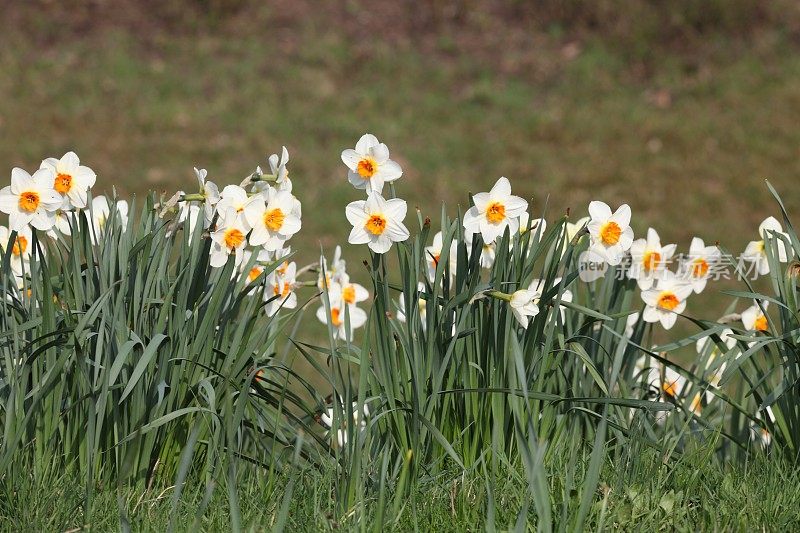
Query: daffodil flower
[754, 319]
[230, 238]
[377, 222]
[369, 166]
[494, 211]
[100, 211]
[21, 248]
[611, 233]
[523, 306]
[280, 289]
[760, 432]
[71, 179]
[706, 347]
[697, 265]
[422, 307]
[246, 207]
[336, 317]
[30, 200]
[210, 192]
[278, 168]
[649, 259]
[666, 300]
[272, 219]
[769, 230]
[433, 255]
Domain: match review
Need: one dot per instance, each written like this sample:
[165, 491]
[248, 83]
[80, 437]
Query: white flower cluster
[47, 201]
[245, 223]
[343, 313]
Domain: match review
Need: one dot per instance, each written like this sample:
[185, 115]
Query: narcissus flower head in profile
[434, 253]
[100, 212]
[772, 233]
[230, 238]
[21, 248]
[273, 219]
[377, 222]
[210, 192]
[30, 199]
[278, 168]
[664, 301]
[337, 317]
[523, 305]
[754, 319]
[280, 289]
[71, 179]
[697, 266]
[494, 211]
[369, 166]
[611, 233]
[649, 259]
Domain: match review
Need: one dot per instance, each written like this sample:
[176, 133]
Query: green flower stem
[499, 295]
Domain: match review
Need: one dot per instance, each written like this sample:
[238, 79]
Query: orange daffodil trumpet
[377, 222]
[229, 239]
[30, 200]
[611, 233]
[369, 166]
[494, 211]
[754, 319]
[21, 248]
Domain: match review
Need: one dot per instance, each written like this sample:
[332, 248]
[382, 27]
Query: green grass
[636, 495]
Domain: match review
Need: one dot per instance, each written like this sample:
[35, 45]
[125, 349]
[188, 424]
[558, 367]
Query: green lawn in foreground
[639, 494]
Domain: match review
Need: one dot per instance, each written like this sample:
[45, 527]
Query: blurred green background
[679, 108]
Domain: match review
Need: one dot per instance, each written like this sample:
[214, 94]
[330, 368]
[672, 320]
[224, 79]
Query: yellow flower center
[435, 259]
[349, 294]
[699, 267]
[282, 292]
[233, 238]
[495, 212]
[670, 388]
[336, 319]
[376, 224]
[367, 167]
[273, 219]
[63, 183]
[651, 260]
[668, 301]
[254, 273]
[29, 201]
[20, 245]
[761, 323]
[610, 233]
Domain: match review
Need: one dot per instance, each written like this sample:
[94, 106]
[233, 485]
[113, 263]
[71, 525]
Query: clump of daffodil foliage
[161, 342]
